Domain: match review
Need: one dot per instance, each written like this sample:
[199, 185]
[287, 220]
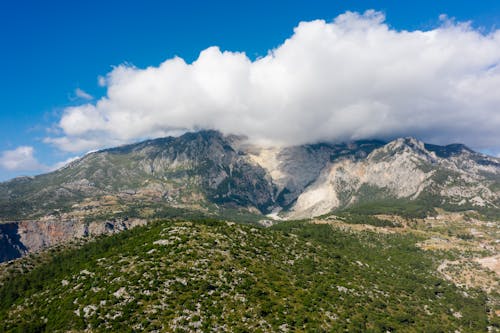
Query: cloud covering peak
[351, 78]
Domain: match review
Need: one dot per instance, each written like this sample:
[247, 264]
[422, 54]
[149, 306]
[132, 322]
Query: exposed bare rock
[492, 263]
[19, 238]
[401, 169]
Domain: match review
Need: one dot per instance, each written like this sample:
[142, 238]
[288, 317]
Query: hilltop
[219, 276]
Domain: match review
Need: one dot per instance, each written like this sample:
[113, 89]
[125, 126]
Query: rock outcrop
[19, 238]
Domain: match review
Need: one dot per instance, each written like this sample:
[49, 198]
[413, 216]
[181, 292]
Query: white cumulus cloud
[23, 159]
[80, 93]
[20, 159]
[352, 78]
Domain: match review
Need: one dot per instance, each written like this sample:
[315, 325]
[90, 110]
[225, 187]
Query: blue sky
[52, 48]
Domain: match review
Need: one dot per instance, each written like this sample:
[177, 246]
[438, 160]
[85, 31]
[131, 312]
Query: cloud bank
[352, 78]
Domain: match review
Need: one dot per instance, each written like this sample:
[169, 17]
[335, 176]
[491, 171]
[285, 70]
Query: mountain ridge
[211, 169]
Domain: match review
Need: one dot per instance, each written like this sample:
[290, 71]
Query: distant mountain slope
[194, 168]
[205, 169]
[453, 177]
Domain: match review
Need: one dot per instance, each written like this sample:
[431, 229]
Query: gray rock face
[292, 169]
[404, 169]
[19, 238]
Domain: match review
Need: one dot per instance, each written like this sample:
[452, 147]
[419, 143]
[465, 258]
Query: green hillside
[218, 276]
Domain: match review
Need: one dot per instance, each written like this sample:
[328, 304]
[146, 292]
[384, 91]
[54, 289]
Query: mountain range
[206, 170]
[365, 236]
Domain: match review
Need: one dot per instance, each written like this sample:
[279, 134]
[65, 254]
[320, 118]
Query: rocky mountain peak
[404, 148]
[407, 144]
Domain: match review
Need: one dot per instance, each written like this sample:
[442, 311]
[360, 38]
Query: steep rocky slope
[405, 169]
[20, 238]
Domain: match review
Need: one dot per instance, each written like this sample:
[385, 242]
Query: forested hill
[218, 276]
